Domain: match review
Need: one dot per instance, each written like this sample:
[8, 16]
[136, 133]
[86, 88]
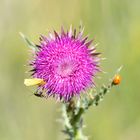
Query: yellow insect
[34, 81]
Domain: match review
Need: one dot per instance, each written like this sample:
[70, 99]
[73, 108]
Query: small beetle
[116, 80]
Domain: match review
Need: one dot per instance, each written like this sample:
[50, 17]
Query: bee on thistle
[64, 64]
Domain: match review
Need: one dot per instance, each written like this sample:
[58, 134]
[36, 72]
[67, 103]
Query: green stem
[73, 114]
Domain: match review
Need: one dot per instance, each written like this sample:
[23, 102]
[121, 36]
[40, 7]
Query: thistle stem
[73, 113]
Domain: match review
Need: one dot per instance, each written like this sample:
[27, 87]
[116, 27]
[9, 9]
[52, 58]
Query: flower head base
[65, 63]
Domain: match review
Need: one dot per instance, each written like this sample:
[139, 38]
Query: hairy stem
[73, 113]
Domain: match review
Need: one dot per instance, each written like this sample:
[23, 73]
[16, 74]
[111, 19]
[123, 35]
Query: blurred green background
[115, 24]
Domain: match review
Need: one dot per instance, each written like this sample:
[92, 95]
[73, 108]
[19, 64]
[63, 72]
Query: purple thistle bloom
[66, 64]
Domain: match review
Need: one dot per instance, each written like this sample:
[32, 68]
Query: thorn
[84, 40]
[92, 48]
[91, 96]
[89, 43]
[104, 72]
[62, 31]
[30, 44]
[42, 37]
[56, 35]
[103, 58]
[95, 54]
[38, 46]
[33, 70]
[70, 31]
[74, 34]
[119, 69]
[96, 44]
[81, 33]
[80, 26]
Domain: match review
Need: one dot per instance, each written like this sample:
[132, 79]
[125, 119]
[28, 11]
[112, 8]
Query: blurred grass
[114, 24]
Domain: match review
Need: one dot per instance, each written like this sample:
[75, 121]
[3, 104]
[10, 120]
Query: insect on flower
[40, 94]
[67, 62]
[34, 81]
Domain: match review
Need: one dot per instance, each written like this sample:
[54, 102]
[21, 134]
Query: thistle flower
[65, 63]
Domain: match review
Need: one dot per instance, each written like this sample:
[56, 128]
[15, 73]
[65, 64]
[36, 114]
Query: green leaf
[30, 44]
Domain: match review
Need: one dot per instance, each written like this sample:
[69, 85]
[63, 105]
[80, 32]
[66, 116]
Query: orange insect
[116, 80]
